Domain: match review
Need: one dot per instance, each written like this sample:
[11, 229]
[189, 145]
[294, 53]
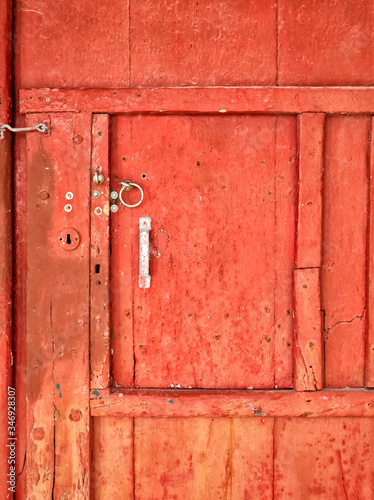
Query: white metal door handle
[145, 227]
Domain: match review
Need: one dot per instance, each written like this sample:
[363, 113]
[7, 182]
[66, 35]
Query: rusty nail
[44, 195]
[78, 139]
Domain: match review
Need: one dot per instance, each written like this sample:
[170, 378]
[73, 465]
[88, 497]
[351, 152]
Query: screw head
[68, 208]
[114, 208]
[69, 195]
[96, 194]
[98, 211]
[113, 195]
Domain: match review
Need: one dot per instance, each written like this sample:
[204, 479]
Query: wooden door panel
[208, 318]
[344, 236]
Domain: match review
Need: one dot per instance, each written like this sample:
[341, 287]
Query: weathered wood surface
[112, 458]
[100, 257]
[370, 275]
[231, 403]
[323, 459]
[57, 460]
[344, 251]
[203, 458]
[310, 168]
[208, 318]
[6, 354]
[285, 194]
[325, 43]
[214, 100]
[308, 360]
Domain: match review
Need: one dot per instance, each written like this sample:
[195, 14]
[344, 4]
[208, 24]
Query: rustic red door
[195, 386]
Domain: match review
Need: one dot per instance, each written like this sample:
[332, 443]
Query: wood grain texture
[73, 44]
[285, 219]
[57, 310]
[343, 273]
[370, 276]
[208, 42]
[225, 403]
[6, 334]
[100, 257]
[325, 43]
[112, 459]
[203, 458]
[216, 100]
[308, 360]
[310, 168]
[331, 458]
[200, 324]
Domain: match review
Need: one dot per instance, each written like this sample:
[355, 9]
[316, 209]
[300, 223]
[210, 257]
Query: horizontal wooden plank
[231, 403]
[195, 100]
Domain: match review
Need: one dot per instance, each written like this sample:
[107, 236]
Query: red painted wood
[231, 403]
[343, 274]
[370, 276]
[310, 167]
[324, 458]
[208, 318]
[208, 42]
[112, 458]
[325, 43]
[100, 257]
[188, 458]
[83, 43]
[57, 460]
[251, 100]
[6, 354]
[285, 217]
[308, 361]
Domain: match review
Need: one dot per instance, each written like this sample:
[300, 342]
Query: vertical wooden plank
[285, 220]
[308, 365]
[203, 458]
[169, 43]
[6, 355]
[343, 273]
[370, 275]
[324, 458]
[122, 274]
[309, 221]
[99, 272]
[112, 459]
[57, 308]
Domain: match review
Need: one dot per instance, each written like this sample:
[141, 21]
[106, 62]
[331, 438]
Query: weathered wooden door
[199, 385]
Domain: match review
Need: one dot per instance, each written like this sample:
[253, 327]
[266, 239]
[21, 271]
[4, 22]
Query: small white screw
[47, 99]
[69, 195]
[98, 211]
[114, 208]
[68, 208]
[113, 195]
[96, 194]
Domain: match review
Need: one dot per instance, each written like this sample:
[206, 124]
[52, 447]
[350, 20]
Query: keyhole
[68, 239]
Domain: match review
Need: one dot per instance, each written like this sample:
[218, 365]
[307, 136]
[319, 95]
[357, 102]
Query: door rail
[196, 100]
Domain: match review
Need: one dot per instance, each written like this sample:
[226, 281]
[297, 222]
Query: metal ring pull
[127, 186]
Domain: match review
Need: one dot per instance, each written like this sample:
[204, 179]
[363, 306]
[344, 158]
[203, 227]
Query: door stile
[370, 264]
[308, 348]
[57, 307]
[100, 255]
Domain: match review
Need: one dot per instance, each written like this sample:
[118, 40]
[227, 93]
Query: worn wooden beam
[231, 403]
[370, 269]
[6, 356]
[100, 258]
[215, 100]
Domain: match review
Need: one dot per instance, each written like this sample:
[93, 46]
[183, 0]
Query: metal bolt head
[98, 211]
[114, 208]
[68, 208]
[96, 194]
[69, 195]
[113, 195]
